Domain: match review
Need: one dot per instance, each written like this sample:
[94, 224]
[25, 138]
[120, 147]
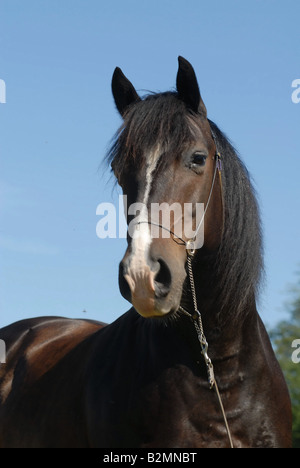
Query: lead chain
[199, 327]
[197, 319]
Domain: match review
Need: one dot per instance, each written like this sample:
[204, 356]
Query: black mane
[233, 274]
[239, 263]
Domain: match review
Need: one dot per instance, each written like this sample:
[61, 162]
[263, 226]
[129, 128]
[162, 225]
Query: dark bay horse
[142, 380]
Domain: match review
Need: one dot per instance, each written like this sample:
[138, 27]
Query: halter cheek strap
[190, 244]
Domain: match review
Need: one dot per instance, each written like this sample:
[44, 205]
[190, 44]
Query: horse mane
[236, 269]
[239, 262]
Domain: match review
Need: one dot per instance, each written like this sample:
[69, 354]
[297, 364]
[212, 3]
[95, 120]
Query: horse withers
[143, 380]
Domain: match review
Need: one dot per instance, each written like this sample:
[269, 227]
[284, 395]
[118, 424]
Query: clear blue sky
[57, 58]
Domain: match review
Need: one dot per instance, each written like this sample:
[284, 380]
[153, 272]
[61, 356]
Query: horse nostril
[123, 285]
[161, 275]
[162, 280]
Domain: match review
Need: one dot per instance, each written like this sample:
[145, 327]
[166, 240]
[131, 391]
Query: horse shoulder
[272, 407]
[37, 345]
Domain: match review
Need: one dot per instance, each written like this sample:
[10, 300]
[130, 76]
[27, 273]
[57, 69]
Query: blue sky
[57, 58]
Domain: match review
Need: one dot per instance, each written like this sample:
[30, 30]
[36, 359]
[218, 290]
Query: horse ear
[188, 88]
[123, 91]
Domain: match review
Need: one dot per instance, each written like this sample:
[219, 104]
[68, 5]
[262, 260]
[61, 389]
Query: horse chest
[179, 410]
[182, 420]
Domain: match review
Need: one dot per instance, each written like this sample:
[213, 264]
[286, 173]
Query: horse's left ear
[123, 91]
[188, 88]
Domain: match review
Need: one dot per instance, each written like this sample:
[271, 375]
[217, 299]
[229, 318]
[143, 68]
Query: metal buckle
[218, 159]
[190, 248]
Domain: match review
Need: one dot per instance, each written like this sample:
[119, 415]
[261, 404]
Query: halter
[190, 244]
[196, 317]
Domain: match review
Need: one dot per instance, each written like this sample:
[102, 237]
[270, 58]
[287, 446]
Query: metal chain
[197, 320]
[193, 290]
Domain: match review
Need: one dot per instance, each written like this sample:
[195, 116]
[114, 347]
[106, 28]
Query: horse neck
[223, 316]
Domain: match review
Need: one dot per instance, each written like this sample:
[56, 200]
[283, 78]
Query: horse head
[164, 160]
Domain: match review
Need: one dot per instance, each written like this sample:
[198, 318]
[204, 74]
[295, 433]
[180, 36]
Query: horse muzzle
[149, 286]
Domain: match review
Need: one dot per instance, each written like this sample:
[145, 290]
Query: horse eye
[199, 159]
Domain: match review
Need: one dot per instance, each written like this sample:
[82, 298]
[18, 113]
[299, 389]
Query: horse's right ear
[188, 88]
[123, 91]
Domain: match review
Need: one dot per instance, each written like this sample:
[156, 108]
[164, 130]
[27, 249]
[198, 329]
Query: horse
[190, 365]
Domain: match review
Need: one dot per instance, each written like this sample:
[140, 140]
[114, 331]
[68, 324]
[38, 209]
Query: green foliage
[283, 336]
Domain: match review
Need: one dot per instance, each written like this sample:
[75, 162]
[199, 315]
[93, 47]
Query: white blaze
[139, 274]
